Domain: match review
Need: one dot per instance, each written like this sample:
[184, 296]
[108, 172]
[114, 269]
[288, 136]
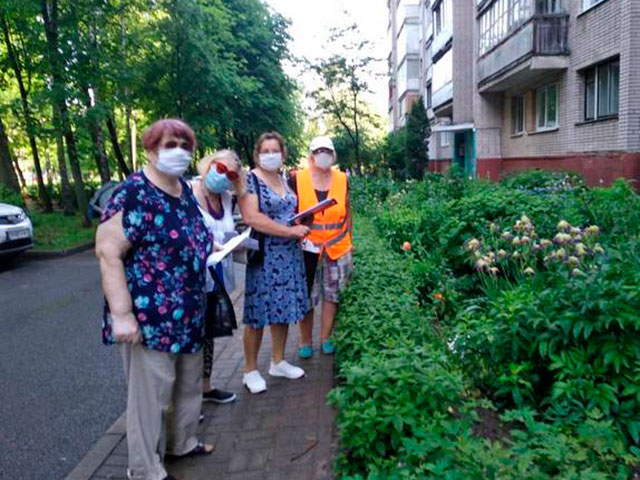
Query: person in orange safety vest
[328, 246]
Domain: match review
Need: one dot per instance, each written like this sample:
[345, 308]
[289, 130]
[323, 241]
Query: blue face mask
[217, 182]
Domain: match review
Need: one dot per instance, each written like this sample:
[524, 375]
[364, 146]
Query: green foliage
[417, 142]
[530, 375]
[9, 196]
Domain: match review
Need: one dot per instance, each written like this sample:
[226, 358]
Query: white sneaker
[285, 369]
[254, 381]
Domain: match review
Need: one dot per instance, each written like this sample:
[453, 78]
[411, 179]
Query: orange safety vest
[330, 228]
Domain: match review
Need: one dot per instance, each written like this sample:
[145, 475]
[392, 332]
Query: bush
[9, 196]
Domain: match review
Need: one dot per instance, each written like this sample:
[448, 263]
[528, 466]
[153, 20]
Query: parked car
[100, 198]
[16, 230]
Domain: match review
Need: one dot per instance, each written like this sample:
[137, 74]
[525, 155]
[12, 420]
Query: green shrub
[9, 196]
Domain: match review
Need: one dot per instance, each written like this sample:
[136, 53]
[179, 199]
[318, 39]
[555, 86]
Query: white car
[16, 230]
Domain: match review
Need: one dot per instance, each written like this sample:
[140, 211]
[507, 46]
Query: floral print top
[166, 265]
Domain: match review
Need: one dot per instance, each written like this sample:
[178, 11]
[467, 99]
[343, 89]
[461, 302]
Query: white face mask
[324, 160]
[271, 161]
[173, 161]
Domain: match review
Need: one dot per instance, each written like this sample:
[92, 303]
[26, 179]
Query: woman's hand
[299, 231]
[126, 328]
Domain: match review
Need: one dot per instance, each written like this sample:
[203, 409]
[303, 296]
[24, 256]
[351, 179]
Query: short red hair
[153, 135]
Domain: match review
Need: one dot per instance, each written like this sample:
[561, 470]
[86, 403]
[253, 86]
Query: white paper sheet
[228, 247]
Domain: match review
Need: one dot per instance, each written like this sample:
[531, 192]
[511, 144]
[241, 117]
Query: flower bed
[466, 354]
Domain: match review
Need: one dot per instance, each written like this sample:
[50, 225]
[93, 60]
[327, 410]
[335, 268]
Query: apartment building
[404, 59]
[533, 84]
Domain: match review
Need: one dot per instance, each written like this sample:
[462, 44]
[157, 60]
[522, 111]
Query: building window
[500, 19]
[587, 4]
[445, 139]
[441, 15]
[428, 94]
[443, 70]
[547, 107]
[517, 115]
[548, 6]
[601, 92]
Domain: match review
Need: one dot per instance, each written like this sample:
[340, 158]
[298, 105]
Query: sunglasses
[222, 169]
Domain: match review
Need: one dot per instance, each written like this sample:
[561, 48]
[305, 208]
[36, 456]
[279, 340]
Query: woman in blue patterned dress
[275, 292]
[153, 245]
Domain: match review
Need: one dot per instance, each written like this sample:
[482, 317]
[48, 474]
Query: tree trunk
[97, 138]
[23, 182]
[65, 186]
[7, 174]
[113, 135]
[43, 194]
[50, 17]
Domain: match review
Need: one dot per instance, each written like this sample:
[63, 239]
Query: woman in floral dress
[275, 292]
[153, 245]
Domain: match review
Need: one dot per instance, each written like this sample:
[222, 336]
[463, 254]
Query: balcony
[538, 47]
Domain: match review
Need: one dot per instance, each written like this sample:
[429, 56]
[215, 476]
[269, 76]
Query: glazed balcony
[538, 46]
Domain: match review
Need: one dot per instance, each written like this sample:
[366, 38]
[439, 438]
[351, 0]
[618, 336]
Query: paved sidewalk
[286, 433]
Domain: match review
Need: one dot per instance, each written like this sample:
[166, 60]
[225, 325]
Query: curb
[105, 445]
[49, 254]
[93, 460]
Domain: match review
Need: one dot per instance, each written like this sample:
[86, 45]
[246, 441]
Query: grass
[55, 231]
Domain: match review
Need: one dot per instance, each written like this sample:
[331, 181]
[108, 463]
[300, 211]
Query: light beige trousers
[164, 397]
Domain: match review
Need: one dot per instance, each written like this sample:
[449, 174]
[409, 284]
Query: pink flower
[162, 266]
[173, 234]
[406, 246]
[160, 289]
[147, 278]
[162, 310]
[142, 317]
[165, 340]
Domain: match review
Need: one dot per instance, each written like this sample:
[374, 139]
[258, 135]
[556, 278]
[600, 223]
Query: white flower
[593, 230]
[576, 272]
[581, 250]
[494, 271]
[473, 245]
[562, 238]
[575, 231]
[598, 249]
[544, 243]
[573, 261]
[525, 240]
[529, 271]
[506, 236]
[502, 254]
[563, 226]
[516, 241]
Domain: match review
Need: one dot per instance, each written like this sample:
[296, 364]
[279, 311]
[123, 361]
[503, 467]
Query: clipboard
[309, 212]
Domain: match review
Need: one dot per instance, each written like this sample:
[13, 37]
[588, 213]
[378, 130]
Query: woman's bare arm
[111, 248]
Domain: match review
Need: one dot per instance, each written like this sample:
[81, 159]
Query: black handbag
[256, 257]
[220, 317]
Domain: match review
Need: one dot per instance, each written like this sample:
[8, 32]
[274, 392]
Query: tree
[7, 174]
[343, 86]
[49, 9]
[417, 140]
[17, 66]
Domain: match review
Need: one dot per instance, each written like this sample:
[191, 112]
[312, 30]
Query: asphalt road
[60, 388]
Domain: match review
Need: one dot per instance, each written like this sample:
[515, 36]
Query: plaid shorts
[331, 278]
